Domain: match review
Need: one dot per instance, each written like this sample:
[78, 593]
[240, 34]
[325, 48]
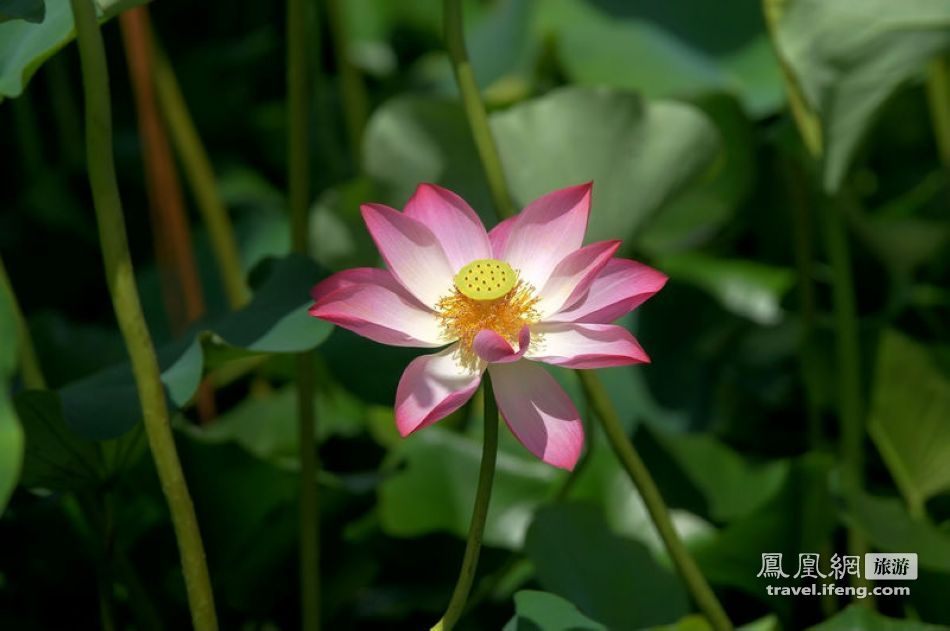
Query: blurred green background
[678, 111]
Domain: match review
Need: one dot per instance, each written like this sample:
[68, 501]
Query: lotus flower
[526, 293]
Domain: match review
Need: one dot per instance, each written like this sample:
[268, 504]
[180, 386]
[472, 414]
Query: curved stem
[476, 529]
[298, 161]
[475, 109]
[809, 127]
[298, 137]
[641, 478]
[29, 362]
[796, 189]
[200, 176]
[184, 298]
[309, 508]
[128, 309]
[596, 396]
[848, 355]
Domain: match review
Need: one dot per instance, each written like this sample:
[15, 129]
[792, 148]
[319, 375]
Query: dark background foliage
[678, 112]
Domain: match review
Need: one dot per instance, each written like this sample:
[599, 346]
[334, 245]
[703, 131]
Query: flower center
[485, 279]
[487, 295]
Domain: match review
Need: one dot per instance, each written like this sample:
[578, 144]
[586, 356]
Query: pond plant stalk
[184, 300]
[637, 470]
[476, 529]
[120, 277]
[200, 176]
[298, 161]
[30, 369]
[597, 397]
[178, 269]
[847, 350]
[475, 109]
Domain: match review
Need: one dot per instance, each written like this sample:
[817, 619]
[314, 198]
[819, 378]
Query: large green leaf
[605, 484]
[747, 288]
[267, 425]
[799, 518]
[704, 209]
[414, 139]
[11, 435]
[732, 486]
[56, 457]
[613, 580]
[638, 153]
[496, 36]
[699, 622]
[864, 617]
[435, 491]
[847, 57]
[105, 405]
[338, 237]
[889, 527]
[669, 46]
[910, 418]
[541, 611]
[25, 46]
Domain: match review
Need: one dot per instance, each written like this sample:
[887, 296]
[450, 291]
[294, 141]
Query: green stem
[475, 109]
[298, 106]
[476, 529]
[809, 127]
[309, 508]
[641, 478]
[200, 175]
[596, 396]
[298, 160]
[128, 309]
[29, 363]
[848, 357]
[938, 93]
[352, 88]
[796, 187]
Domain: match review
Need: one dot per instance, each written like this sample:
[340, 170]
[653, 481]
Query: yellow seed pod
[486, 279]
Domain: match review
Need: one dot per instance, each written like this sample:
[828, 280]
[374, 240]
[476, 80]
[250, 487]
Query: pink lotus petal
[573, 275]
[431, 388]
[411, 251]
[356, 276]
[371, 302]
[493, 348]
[546, 230]
[498, 236]
[539, 412]
[577, 345]
[621, 287]
[453, 222]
